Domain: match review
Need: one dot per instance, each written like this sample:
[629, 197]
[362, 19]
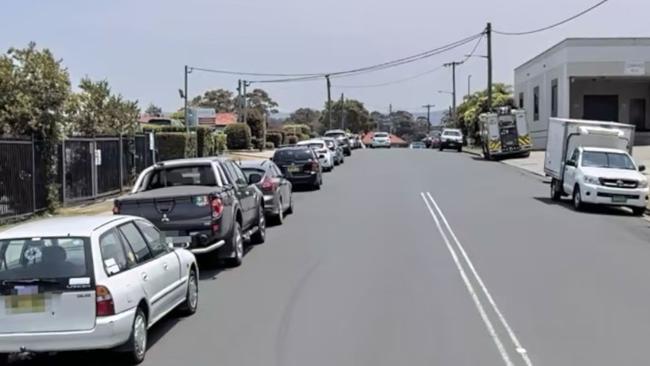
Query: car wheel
[279, 218]
[236, 242]
[638, 211]
[137, 343]
[578, 205]
[290, 209]
[556, 193]
[460, 149]
[191, 303]
[4, 358]
[260, 235]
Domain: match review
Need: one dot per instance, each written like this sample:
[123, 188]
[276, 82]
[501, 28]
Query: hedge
[297, 129]
[274, 137]
[204, 142]
[238, 136]
[281, 132]
[171, 145]
[220, 143]
[269, 145]
[292, 140]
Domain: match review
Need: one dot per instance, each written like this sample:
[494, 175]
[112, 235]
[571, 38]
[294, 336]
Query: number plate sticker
[25, 301]
[619, 199]
[292, 168]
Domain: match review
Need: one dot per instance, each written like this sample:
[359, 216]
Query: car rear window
[451, 133]
[249, 171]
[44, 258]
[314, 145]
[293, 154]
[200, 175]
[382, 135]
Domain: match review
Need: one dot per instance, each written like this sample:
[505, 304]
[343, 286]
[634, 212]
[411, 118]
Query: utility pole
[390, 118]
[488, 31]
[187, 120]
[329, 101]
[469, 87]
[342, 112]
[428, 107]
[246, 84]
[453, 82]
[239, 109]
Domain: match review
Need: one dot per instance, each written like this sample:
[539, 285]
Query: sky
[141, 46]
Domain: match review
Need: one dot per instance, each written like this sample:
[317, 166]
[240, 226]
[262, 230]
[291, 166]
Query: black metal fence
[87, 168]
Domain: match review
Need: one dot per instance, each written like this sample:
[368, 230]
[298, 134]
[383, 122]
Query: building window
[554, 98]
[521, 100]
[536, 103]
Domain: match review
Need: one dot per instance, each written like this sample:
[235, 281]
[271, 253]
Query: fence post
[93, 167]
[33, 175]
[63, 161]
[121, 165]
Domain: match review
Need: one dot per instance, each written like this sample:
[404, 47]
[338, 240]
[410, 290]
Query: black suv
[300, 165]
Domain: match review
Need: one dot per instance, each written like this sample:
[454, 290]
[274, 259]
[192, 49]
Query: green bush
[281, 132]
[220, 143]
[254, 142]
[204, 142]
[297, 129]
[269, 145]
[190, 145]
[274, 137]
[303, 137]
[292, 140]
[238, 136]
[171, 145]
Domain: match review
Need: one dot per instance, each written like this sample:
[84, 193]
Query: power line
[555, 24]
[243, 73]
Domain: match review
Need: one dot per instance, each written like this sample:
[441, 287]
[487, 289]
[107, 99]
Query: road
[367, 272]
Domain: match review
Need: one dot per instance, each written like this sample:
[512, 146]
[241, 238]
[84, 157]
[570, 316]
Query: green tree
[220, 100]
[469, 111]
[34, 87]
[260, 100]
[306, 116]
[153, 110]
[350, 114]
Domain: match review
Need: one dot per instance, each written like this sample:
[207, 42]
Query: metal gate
[16, 178]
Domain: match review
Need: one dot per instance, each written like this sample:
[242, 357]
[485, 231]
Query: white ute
[89, 282]
[591, 162]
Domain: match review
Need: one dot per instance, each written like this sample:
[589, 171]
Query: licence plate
[292, 168]
[25, 304]
[178, 239]
[619, 199]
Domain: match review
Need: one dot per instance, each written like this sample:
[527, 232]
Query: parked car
[342, 138]
[299, 165]
[335, 148]
[435, 141]
[417, 145]
[204, 204]
[325, 155]
[274, 186]
[89, 282]
[380, 139]
[451, 138]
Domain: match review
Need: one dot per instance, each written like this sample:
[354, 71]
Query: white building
[590, 78]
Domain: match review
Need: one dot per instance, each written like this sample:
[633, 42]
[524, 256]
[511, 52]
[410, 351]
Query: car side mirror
[254, 178]
[642, 168]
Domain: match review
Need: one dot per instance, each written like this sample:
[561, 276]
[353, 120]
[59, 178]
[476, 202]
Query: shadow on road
[590, 210]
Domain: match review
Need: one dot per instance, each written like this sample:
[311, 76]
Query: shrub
[238, 136]
[269, 145]
[220, 143]
[255, 121]
[274, 137]
[171, 145]
[255, 142]
[292, 140]
[281, 132]
[204, 142]
[303, 137]
[297, 129]
[190, 145]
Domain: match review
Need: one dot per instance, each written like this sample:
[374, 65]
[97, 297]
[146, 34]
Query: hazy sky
[140, 46]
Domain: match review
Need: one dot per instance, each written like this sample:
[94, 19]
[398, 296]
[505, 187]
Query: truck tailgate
[172, 208]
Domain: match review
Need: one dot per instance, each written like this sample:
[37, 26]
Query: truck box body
[564, 135]
[505, 133]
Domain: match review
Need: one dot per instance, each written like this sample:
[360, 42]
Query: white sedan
[89, 282]
[325, 156]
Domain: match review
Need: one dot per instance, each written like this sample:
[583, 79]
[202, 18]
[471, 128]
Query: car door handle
[165, 266]
[145, 277]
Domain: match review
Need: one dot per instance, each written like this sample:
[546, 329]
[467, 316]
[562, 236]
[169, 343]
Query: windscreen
[293, 154]
[198, 175]
[451, 133]
[607, 160]
[44, 258]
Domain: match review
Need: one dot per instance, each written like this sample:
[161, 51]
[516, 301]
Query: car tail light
[104, 302]
[116, 208]
[217, 206]
[314, 166]
[268, 185]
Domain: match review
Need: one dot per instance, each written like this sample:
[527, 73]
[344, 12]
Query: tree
[95, 110]
[350, 115]
[153, 110]
[469, 111]
[305, 116]
[34, 87]
[220, 100]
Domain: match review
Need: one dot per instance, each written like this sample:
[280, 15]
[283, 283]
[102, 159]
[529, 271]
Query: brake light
[104, 302]
[116, 208]
[217, 207]
[268, 185]
[314, 166]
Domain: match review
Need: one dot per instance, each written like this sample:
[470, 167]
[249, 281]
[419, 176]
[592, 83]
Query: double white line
[438, 217]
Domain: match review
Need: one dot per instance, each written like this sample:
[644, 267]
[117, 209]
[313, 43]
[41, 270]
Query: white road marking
[470, 289]
[513, 337]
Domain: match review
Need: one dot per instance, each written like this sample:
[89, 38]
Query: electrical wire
[381, 66]
[552, 25]
[243, 73]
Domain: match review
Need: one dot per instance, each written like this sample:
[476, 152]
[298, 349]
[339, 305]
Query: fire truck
[505, 133]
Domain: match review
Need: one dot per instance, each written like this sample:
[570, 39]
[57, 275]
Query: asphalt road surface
[416, 257]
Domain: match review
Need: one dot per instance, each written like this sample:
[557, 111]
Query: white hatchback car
[89, 282]
[325, 156]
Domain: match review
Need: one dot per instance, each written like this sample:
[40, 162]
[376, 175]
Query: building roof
[219, 119]
[589, 42]
[82, 226]
[367, 139]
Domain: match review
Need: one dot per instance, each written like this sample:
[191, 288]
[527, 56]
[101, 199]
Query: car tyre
[556, 192]
[137, 344]
[578, 205]
[191, 303]
[236, 242]
[290, 209]
[4, 358]
[460, 149]
[260, 235]
[279, 218]
[638, 211]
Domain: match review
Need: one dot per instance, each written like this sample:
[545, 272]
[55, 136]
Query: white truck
[505, 133]
[591, 162]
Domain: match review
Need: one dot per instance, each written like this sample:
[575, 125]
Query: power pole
[488, 31]
[453, 82]
[469, 88]
[329, 101]
[428, 107]
[390, 118]
[239, 109]
[342, 112]
[246, 84]
[187, 121]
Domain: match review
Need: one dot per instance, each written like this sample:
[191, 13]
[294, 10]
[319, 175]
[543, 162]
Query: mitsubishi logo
[619, 183]
[164, 218]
